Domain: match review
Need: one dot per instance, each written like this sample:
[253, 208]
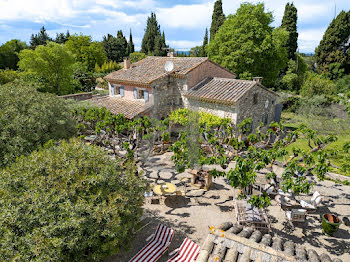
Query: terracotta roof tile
[116, 105]
[234, 243]
[152, 68]
[220, 90]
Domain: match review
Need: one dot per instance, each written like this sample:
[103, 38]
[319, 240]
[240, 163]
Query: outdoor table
[164, 189]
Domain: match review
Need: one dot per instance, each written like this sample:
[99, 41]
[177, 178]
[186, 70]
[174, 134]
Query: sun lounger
[157, 246]
[313, 203]
[187, 252]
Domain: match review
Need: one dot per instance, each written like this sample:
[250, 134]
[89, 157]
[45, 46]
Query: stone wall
[78, 97]
[207, 69]
[167, 95]
[220, 110]
[263, 109]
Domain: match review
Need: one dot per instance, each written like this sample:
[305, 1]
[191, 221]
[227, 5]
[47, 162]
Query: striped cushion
[156, 247]
[188, 252]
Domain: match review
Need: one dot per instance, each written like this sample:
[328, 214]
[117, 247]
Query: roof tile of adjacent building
[152, 68]
[234, 243]
[129, 108]
[222, 90]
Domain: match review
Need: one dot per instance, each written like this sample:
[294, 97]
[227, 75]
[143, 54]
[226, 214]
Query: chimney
[170, 54]
[258, 79]
[126, 62]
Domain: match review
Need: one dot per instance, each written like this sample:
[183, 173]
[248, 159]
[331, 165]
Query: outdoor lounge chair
[187, 252]
[313, 203]
[156, 247]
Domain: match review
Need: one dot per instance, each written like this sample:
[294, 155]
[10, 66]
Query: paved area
[192, 215]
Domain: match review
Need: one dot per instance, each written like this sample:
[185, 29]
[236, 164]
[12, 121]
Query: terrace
[192, 215]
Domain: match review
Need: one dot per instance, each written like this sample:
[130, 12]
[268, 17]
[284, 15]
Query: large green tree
[9, 53]
[40, 38]
[248, 45]
[116, 48]
[53, 63]
[153, 41]
[218, 18]
[332, 54]
[289, 22]
[68, 202]
[204, 52]
[62, 38]
[86, 51]
[29, 119]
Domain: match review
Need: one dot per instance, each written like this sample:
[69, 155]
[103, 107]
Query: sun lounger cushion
[252, 213]
[188, 252]
[156, 247]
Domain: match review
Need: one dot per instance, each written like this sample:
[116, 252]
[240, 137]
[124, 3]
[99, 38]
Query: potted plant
[330, 224]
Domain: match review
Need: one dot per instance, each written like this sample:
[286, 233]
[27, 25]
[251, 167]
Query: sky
[183, 21]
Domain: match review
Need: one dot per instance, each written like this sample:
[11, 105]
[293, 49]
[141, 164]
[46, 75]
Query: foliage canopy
[29, 119]
[70, 202]
[247, 45]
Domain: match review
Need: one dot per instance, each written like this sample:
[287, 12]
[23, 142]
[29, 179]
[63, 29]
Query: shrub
[67, 202]
[317, 85]
[29, 118]
[7, 76]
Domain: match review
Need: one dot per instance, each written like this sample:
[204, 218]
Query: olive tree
[68, 202]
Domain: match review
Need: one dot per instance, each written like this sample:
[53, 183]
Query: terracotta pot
[330, 224]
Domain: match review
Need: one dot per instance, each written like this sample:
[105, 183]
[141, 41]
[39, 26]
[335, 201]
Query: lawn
[323, 127]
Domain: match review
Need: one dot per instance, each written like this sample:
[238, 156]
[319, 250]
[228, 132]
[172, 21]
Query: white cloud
[310, 38]
[186, 16]
[183, 44]
[140, 4]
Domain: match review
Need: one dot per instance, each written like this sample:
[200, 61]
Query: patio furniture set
[161, 191]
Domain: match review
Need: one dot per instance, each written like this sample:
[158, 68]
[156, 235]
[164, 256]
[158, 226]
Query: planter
[330, 224]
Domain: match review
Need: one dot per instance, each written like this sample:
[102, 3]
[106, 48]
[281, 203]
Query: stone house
[146, 88]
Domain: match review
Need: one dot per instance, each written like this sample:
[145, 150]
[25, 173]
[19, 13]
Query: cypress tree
[289, 22]
[332, 53]
[40, 38]
[153, 41]
[131, 47]
[218, 19]
[204, 52]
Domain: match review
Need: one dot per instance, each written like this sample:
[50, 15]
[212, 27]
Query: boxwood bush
[67, 202]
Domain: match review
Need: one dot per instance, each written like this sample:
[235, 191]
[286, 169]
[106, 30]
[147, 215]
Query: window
[255, 98]
[115, 90]
[140, 94]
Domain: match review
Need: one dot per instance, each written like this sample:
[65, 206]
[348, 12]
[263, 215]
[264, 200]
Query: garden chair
[187, 252]
[313, 203]
[157, 246]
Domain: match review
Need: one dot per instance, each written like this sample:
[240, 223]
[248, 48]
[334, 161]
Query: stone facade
[257, 103]
[168, 91]
[227, 111]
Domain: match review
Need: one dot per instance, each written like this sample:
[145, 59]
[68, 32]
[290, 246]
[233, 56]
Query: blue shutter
[135, 93]
[112, 90]
[146, 95]
[121, 88]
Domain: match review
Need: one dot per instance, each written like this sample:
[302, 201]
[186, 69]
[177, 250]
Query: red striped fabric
[156, 247]
[188, 252]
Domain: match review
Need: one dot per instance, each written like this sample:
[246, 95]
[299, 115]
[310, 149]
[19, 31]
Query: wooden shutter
[135, 93]
[121, 88]
[112, 90]
[145, 93]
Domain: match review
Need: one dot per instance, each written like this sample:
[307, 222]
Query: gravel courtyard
[192, 215]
